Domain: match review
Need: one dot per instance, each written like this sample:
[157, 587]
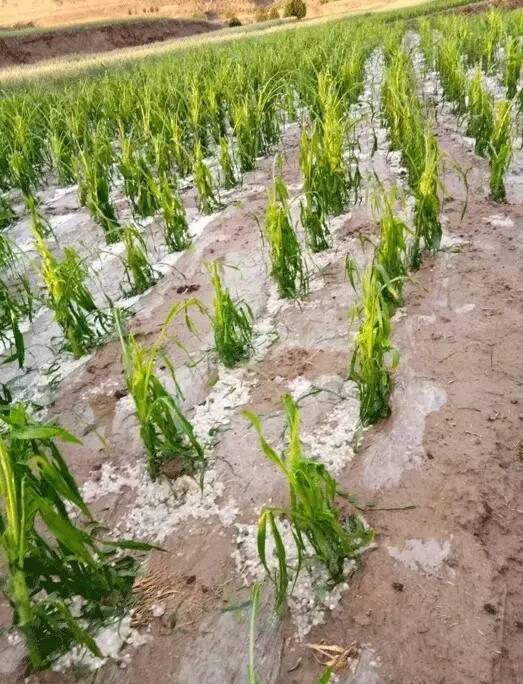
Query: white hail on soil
[313, 595]
[499, 221]
[232, 390]
[330, 442]
[401, 447]
[264, 337]
[110, 639]
[299, 387]
[159, 507]
[36, 385]
[104, 389]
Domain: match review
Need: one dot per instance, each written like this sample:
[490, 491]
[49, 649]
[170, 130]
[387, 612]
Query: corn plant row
[411, 134]
[489, 40]
[231, 103]
[488, 121]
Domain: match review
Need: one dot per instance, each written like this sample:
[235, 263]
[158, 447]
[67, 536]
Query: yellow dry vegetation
[49, 13]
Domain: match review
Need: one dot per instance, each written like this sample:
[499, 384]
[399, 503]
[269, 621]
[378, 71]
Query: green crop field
[172, 221]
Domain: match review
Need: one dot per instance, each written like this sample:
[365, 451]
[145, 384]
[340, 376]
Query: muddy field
[38, 46]
[437, 598]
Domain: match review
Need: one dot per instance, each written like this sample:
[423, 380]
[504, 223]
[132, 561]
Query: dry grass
[50, 13]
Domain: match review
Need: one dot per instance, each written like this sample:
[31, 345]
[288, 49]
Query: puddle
[425, 556]
[366, 669]
[400, 447]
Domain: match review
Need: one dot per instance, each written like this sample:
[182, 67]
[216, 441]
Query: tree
[295, 8]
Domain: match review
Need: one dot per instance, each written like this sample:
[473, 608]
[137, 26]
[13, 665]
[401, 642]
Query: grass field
[78, 64]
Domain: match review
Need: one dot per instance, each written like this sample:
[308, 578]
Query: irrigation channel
[427, 496]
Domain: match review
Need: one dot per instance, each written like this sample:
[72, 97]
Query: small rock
[490, 608]
[398, 586]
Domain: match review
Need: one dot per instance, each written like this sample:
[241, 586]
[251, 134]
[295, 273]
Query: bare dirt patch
[34, 47]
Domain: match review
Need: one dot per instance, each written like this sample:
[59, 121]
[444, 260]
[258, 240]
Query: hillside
[27, 13]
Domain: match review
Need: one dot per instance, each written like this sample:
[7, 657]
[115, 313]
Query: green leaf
[43, 432]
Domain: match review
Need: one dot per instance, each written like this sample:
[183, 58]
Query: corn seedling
[178, 145]
[428, 230]
[288, 268]
[61, 146]
[25, 155]
[232, 323]
[500, 149]
[317, 526]
[83, 323]
[480, 113]
[39, 223]
[7, 255]
[138, 180]
[268, 117]
[322, 164]
[512, 66]
[391, 254]
[137, 266]
[7, 215]
[314, 222]
[252, 677]
[16, 302]
[95, 192]
[452, 74]
[313, 210]
[166, 433]
[203, 182]
[63, 582]
[176, 229]
[229, 176]
[368, 367]
[243, 115]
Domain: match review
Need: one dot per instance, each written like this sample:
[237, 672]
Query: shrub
[261, 15]
[234, 21]
[295, 8]
[273, 13]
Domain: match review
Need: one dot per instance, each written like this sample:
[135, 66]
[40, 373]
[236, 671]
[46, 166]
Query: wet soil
[48, 44]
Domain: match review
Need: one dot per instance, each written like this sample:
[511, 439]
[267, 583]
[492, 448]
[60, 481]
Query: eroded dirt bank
[35, 47]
